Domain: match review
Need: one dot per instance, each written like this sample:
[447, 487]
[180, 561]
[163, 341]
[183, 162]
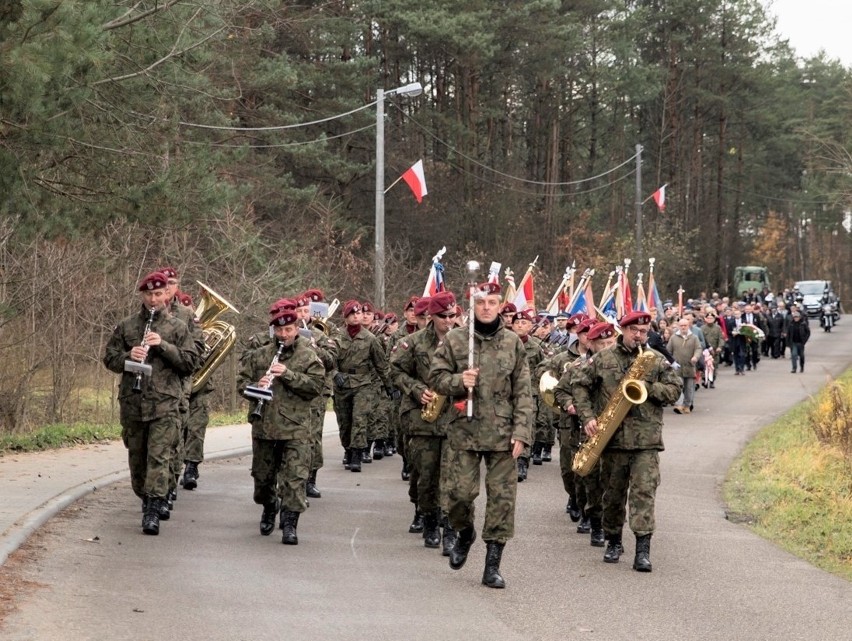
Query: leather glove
[339, 379]
[393, 393]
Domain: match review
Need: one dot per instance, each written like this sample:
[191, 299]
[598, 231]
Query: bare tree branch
[126, 19]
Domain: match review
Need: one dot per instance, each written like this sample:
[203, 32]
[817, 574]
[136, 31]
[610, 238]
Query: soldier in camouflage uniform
[360, 362]
[427, 447]
[281, 435]
[150, 418]
[498, 431]
[326, 349]
[389, 338]
[597, 338]
[630, 464]
[377, 426]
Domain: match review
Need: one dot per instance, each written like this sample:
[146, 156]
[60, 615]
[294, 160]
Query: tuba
[631, 391]
[219, 336]
[546, 386]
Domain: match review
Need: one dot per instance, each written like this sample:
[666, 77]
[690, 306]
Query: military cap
[284, 317]
[351, 307]
[367, 307]
[601, 330]
[169, 272]
[508, 308]
[486, 289]
[576, 319]
[378, 315]
[585, 326]
[314, 295]
[636, 317]
[390, 318]
[184, 299]
[522, 315]
[281, 304]
[412, 301]
[442, 303]
[154, 280]
[421, 307]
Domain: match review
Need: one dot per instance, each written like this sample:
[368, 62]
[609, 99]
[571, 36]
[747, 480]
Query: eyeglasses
[635, 330]
[450, 315]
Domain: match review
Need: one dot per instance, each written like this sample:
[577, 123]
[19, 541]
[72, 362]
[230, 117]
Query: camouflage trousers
[501, 485]
[279, 469]
[379, 427]
[402, 446]
[177, 450]
[430, 456]
[149, 449]
[527, 451]
[545, 423]
[570, 481]
[195, 428]
[354, 409]
[316, 425]
[629, 478]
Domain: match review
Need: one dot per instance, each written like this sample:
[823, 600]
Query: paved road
[357, 573]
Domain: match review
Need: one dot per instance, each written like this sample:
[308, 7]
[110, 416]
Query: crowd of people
[447, 394]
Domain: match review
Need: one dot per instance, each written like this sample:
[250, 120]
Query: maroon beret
[314, 295]
[635, 318]
[585, 326]
[280, 305]
[367, 307]
[508, 308]
[524, 315]
[576, 319]
[351, 307]
[284, 317]
[302, 301]
[412, 301]
[601, 330]
[184, 299]
[170, 272]
[378, 315]
[421, 307]
[442, 303]
[390, 318]
[154, 280]
[485, 289]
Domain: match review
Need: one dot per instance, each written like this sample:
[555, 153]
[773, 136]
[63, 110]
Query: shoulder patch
[402, 344]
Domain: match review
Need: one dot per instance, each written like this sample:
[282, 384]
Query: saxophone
[432, 410]
[631, 391]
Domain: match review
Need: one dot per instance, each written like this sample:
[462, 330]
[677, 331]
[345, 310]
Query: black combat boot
[491, 577]
[547, 454]
[289, 521]
[171, 497]
[523, 466]
[614, 549]
[458, 555]
[365, 453]
[311, 488]
[355, 459]
[573, 509]
[163, 509]
[597, 538]
[151, 519]
[347, 457]
[379, 449]
[267, 518]
[389, 448]
[642, 561]
[416, 526]
[405, 474]
[584, 526]
[536, 453]
[449, 538]
[190, 476]
[431, 530]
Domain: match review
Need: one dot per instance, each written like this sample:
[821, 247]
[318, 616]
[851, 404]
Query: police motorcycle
[828, 313]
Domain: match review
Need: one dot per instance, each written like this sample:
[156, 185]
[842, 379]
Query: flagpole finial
[639, 278]
[627, 262]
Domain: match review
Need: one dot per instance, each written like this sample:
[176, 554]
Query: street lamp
[411, 89]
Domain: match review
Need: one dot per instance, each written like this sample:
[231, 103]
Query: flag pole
[569, 274]
[580, 290]
[392, 184]
[527, 275]
[607, 289]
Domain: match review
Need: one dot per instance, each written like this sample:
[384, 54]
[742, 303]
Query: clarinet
[137, 384]
[263, 394]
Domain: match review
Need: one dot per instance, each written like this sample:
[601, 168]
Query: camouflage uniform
[503, 411]
[281, 438]
[631, 459]
[428, 452]
[360, 361]
[150, 420]
[326, 349]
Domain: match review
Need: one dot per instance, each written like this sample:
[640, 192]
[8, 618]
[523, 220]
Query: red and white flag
[525, 296]
[416, 180]
[659, 197]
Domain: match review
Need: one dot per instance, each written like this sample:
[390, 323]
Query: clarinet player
[153, 351]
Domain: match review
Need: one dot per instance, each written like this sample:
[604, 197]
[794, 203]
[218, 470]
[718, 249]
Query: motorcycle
[826, 317]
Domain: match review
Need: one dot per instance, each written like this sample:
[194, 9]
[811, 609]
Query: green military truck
[748, 277]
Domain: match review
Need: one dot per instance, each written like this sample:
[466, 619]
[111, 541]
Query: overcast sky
[811, 25]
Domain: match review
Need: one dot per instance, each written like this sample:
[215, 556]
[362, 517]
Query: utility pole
[639, 204]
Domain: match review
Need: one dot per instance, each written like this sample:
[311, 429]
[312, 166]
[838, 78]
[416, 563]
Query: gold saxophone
[432, 410]
[631, 391]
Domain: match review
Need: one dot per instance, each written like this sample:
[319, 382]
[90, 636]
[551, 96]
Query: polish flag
[525, 297]
[416, 180]
[659, 197]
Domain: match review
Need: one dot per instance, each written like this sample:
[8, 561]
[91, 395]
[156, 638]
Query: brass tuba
[631, 391]
[219, 336]
[546, 387]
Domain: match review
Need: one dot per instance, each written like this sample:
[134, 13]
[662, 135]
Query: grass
[795, 490]
[71, 434]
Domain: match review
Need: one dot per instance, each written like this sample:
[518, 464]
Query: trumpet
[143, 368]
[262, 394]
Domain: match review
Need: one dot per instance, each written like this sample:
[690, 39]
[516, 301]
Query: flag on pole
[435, 281]
[585, 302]
[641, 304]
[659, 197]
[626, 296]
[655, 303]
[509, 290]
[608, 307]
[416, 180]
[525, 296]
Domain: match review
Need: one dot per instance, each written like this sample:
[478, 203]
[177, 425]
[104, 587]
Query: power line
[283, 144]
